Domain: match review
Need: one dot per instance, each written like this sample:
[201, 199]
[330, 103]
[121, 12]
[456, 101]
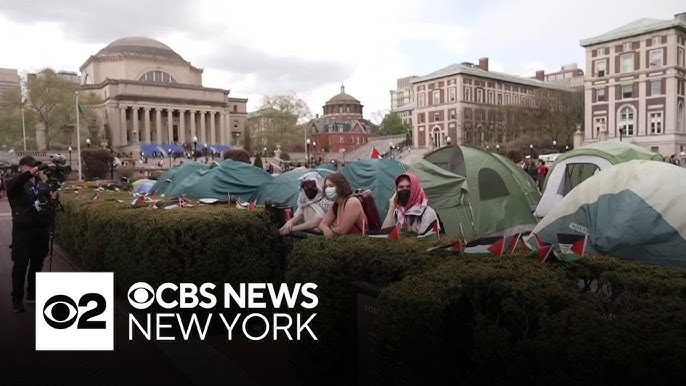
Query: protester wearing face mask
[408, 208]
[312, 205]
[345, 215]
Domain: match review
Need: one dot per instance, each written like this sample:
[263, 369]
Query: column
[229, 129]
[193, 134]
[134, 117]
[122, 125]
[158, 126]
[203, 134]
[146, 117]
[222, 128]
[170, 125]
[182, 126]
[213, 127]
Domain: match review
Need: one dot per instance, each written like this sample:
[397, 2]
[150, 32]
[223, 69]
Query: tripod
[56, 207]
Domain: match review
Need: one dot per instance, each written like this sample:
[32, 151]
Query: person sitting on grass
[312, 205]
[345, 216]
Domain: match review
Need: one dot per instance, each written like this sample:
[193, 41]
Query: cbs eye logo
[61, 312]
[141, 295]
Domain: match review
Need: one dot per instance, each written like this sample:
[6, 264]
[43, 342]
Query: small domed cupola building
[343, 107]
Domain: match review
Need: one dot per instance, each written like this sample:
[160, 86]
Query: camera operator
[32, 215]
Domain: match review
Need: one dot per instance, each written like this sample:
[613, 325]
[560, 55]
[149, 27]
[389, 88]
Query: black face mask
[310, 193]
[403, 196]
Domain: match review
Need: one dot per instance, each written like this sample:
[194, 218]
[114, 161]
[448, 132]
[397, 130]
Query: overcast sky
[310, 47]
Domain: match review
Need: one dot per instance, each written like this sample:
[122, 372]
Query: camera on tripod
[56, 171]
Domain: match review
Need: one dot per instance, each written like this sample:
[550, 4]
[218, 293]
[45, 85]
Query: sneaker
[30, 298]
[18, 305]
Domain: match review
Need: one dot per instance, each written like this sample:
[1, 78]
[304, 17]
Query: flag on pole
[572, 247]
[386, 233]
[81, 110]
[375, 153]
[539, 248]
[512, 243]
[486, 246]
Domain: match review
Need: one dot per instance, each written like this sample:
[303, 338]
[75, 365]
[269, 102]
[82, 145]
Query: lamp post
[205, 152]
[307, 145]
[70, 150]
[566, 147]
[343, 155]
[111, 163]
[264, 152]
[555, 145]
[488, 148]
[170, 157]
[88, 142]
[238, 139]
[448, 140]
[497, 148]
[390, 149]
[195, 148]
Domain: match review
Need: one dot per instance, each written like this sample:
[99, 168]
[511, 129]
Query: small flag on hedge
[572, 247]
[96, 195]
[138, 201]
[386, 233]
[432, 231]
[487, 246]
[539, 248]
[512, 243]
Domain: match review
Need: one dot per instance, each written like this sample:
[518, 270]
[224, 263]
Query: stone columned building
[154, 100]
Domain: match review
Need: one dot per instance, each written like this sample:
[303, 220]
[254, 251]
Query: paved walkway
[214, 361]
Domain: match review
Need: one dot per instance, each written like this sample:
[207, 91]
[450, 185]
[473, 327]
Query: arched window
[157, 76]
[437, 136]
[681, 117]
[626, 121]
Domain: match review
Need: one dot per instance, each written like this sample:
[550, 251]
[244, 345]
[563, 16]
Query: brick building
[462, 102]
[634, 87]
[341, 127]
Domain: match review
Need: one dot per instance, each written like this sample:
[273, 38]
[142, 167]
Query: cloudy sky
[312, 46]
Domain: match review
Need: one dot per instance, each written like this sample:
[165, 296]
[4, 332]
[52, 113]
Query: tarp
[218, 180]
[575, 166]
[172, 177]
[634, 210]
[284, 188]
[477, 193]
[377, 175]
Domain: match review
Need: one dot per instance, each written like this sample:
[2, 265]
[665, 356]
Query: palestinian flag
[138, 201]
[487, 246]
[433, 231]
[539, 248]
[572, 247]
[374, 154]
[386, 233]
[183, 201]
[512, 242]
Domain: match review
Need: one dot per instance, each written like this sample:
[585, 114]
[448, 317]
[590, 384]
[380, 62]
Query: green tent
[377, 175]
[173, 177]
[218, 180]
[477, 193]
[284, 188]
[328, 166]
[634, 210]
[574, 167]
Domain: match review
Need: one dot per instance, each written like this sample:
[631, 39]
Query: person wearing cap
[29, 198]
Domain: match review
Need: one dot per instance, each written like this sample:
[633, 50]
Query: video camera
[56, 171]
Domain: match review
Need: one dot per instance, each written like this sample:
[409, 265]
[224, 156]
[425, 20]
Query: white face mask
[331, 193]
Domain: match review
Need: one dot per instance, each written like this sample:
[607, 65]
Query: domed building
[154, 100]
[342, 127]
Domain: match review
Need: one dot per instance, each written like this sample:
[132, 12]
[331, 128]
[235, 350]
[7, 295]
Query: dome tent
[218, 180]
[377, 175]
[477, 193]
[172, 177]
[634, 210]
[573, 167]
[284, 188]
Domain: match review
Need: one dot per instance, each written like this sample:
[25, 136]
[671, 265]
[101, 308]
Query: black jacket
[22, 195]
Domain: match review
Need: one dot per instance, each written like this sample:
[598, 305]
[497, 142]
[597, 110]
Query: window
[436, 97]
[656, 87]
[491, 97]
[628, 63]
[680, 117]
[479, 95]
[515, 98]
[507, 99]
[491, 185]
[600, 95]
[680, 87]
[627, 90]
[500, 99]
[437, 116]
[655, 59]
[657, 40]
[451, 94]
[680, 57]
[467, 94]
[420, 100]
[157, 76]
[340, 109]
[599, 124]
[420, 118]
[347, 109]
[452, 114]
[627, 46]
[601, 67]
[626, 121]
[656, 123]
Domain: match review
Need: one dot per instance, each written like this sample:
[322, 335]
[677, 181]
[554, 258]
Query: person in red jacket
[542, 172]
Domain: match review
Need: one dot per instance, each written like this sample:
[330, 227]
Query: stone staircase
[380, 143]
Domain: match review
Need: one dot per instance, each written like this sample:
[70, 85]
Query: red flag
[375, 153]
[386, 233]
[252, 205]
[498, 247]
[512, 243]
[543, 249]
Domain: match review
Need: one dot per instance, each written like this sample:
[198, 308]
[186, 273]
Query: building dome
[139, 46]
[342, 98]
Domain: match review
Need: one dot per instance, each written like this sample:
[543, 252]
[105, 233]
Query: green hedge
[198, 244]
[445, 319]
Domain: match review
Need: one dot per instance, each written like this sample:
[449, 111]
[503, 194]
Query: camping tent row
[475, 193]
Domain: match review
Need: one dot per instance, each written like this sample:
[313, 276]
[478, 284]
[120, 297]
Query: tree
[277, 122]
[392, 124]
[51, 102]
[11, 131]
